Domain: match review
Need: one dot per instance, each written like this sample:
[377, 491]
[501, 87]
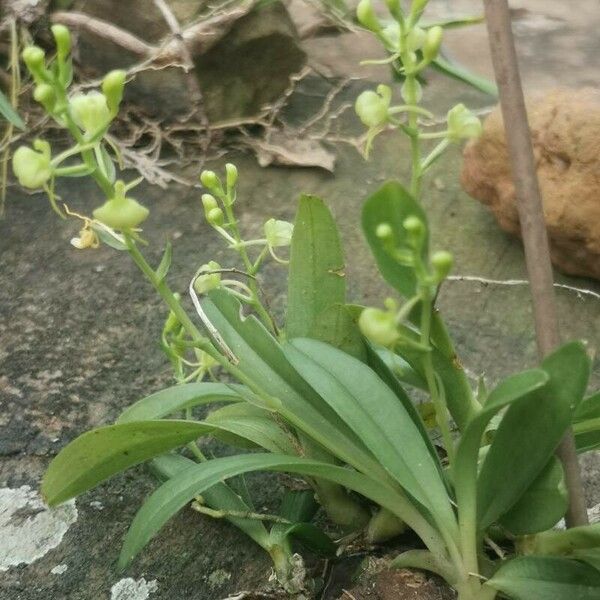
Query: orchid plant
[327, 394]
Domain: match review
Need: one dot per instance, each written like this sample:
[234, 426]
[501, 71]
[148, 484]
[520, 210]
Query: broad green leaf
[372, 410]
[220, 497]
[260, 357]
[298, 506]
[563, 542]
[181, 489]
[9, 113]
[392, 204]
[317, 279]
[455, 71]
[459, 396]
[467, 452]
[174, 399]
[241, 423]
[545, 578]
[586, 424]
[530, 432]
[542, 506]
[402, 369]
[377, 363]
[338, 326]
[312, 538]
[165, 262]
[590, 556]
[100, 453]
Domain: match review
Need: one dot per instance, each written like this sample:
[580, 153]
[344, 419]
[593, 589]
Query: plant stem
[251, 269]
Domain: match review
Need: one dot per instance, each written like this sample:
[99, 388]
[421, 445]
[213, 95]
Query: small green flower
[441, 262]
[90, 111]
[462, 124]
[35, 59]
[208, 280]
[32, 166]
[379, 326]
[232, 175]
[278, 233]
[46, 96]
[372, 107]
[121, 212]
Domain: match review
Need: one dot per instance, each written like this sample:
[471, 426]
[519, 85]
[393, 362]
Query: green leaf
[529, 433]
[459, 396]
[174, 399]
[317, 279]
[565, 542]
[178, 491]
[590, 556]
[220, 497]
[370, 408]
[312, 538]
[298, 506]
[455, 71]
[100, 453]
[392, 204]
[165, 262]
[9, 113]
[507, 392]
[378, 364]
[337, 326]
[241, 423]
[586, 424]
[545, 578]
[261, 358]
[542, 505]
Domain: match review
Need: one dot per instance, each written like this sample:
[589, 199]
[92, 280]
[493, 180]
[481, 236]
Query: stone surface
[565, 128]
[246, 64]
[79, 330]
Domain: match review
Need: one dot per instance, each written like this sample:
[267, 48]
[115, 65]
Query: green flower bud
[208, 281]
[394, 7]
[113, 85]
[433, 42]
[90, 111]
[62, 38]
[366, 15]
[415, 39]
[46, 96]
[384, 231]
[232, 175]
[208, 202]
[35, 58]
[32, 167]
[415, 229]
[215, 217]
[378, 326]
[121, 212]
[418, 6]
[462, 124]
[372, 107]
[278, 233]
[210, 180]
[442, 262]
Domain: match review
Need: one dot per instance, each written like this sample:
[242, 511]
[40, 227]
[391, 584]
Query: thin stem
[240, 247]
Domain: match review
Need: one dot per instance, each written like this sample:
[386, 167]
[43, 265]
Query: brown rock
[565, 129]
[244, 57]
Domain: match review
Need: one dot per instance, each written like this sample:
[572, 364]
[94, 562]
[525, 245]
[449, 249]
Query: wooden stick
[531, 216]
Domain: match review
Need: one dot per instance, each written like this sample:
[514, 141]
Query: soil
[79, 329]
